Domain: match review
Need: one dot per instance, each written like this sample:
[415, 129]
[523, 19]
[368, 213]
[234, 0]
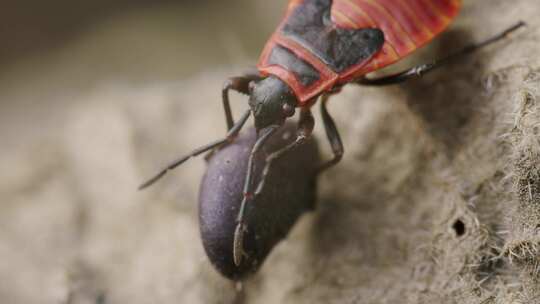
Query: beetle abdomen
[289, 192]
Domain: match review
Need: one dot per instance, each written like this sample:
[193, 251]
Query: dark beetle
[289, 192]
[320, 46]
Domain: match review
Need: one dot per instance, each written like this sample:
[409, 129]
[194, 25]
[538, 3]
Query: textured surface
[436, 201]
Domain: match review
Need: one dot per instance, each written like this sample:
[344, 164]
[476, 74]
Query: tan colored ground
[457, 149]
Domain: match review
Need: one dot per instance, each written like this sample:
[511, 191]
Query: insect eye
[288, 110]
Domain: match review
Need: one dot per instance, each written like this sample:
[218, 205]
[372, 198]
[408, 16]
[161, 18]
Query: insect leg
[305, 128]
[420, 70]
[333, 136]
[238, 250]
[233, 132]
[239, 84]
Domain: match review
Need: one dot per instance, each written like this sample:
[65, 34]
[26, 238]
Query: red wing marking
[407, 25]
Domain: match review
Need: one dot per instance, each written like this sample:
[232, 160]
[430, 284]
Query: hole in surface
[459, 227]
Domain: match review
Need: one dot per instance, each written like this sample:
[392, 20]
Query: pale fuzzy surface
[461, 144]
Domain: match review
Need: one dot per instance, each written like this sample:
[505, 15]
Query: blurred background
[96, 95]
[80, 43]
[64, 177]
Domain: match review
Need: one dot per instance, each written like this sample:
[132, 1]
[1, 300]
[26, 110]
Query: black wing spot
[367, 36]
[339, 48]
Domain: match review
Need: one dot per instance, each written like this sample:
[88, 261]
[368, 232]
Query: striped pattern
[407, 24]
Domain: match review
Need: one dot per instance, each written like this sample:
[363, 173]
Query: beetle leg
[239, 84]
[231, 135]
[238, 249]
[333, 135]
[305, 128]
[420, 70]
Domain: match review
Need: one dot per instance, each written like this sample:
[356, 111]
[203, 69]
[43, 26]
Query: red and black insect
[320, 46]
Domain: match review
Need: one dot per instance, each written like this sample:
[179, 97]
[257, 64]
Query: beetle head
[271, 102]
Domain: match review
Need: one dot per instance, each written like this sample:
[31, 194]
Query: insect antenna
[476, 46]
[503, 34]
[425, 68]
[233, 132]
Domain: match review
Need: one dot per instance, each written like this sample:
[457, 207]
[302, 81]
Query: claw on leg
[238, 245]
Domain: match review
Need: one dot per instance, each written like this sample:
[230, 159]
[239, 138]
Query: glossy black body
[289, 192]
